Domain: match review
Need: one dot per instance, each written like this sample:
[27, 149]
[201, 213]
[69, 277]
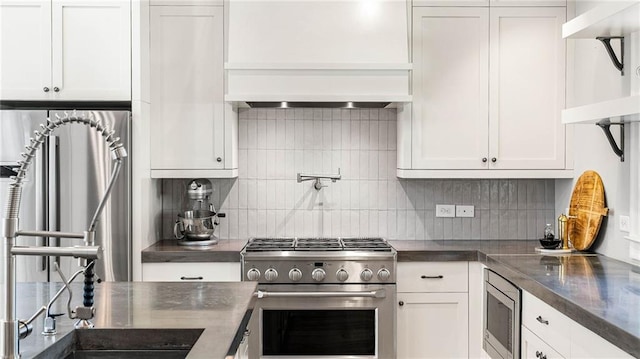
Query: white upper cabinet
[25, 45]
[66, 50]
[488, 88]
[527, 88]
[450, 92]
[491, 3]
[192, 129]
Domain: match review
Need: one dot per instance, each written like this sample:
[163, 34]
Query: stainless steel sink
[123, 343]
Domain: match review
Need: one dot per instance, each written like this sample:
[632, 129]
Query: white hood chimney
[318, 51]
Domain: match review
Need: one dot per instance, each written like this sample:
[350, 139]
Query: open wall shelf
[613, 18]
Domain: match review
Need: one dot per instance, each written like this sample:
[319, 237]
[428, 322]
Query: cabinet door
[25, 45]
[187, 94]
[432, 325]
[450, 84]
[527, 85]
[532, 347]
[91, 49]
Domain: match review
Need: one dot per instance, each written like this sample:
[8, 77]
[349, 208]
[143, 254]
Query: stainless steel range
[322, 297]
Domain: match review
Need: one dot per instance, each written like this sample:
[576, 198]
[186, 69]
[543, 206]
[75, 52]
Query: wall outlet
[445, 210]
[465, 211]
[624, 224]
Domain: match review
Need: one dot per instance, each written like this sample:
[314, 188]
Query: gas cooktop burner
[318, 244]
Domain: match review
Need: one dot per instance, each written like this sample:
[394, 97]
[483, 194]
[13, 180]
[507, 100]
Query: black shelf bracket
[605, 125]
[606, 41]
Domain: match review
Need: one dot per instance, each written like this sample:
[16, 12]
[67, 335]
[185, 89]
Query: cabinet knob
[484, 159]
[493, 159]
[56, 89]
[219, 159]
[45, 89]
[401, 303]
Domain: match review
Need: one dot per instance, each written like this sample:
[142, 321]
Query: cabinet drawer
[433, 277]
[547, 323]
[534, 347]
[179, 272]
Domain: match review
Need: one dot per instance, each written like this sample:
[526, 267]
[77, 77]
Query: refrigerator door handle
[42, 205]
[54, 190]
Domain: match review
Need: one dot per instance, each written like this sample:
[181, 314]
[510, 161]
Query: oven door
[323, 321]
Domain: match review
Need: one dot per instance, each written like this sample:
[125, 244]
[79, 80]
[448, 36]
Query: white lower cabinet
[433, 310]
[533, 347]
[587, 344]
[432, 325]
[243, 349]
[191, 272]
[546, 330]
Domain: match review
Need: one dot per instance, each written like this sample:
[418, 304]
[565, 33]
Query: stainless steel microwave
[502, 310]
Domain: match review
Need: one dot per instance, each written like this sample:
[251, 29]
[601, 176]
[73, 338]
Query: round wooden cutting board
[586, 210]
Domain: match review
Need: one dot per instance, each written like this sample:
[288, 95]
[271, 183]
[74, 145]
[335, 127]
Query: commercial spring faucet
[11, 330]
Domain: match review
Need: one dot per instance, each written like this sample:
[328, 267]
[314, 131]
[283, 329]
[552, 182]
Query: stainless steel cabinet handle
[369, 294]
[543, 321]
[191, 278]
[484, 159]
[432, 276]
[493, 159]
[45, 89]
[56, 89]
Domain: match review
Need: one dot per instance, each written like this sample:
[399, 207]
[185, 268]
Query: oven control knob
[253, 274]
[342, 274]
[295, 274]
[366, 275]
[318, 274]
[384, 274]
[270, 275]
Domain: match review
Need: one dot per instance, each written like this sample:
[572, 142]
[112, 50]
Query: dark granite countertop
[168, 250]
[454, 250]
[600, 293]
[218, 308]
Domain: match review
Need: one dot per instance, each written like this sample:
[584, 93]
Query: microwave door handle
[365, 294]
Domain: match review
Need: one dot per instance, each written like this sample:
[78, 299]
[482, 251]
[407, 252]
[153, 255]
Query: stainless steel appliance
[198, 221]
[502, 311]
[63, 189]
[322, 297]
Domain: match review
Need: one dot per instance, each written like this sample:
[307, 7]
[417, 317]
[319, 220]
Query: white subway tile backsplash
[275, 144]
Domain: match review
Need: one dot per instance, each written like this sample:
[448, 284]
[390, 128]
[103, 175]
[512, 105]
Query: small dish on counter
[547, 243]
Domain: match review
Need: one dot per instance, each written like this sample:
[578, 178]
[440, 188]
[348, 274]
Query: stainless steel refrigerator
[63, 190]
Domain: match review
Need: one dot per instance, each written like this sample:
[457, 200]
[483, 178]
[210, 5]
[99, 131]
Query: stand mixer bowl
[196, 225]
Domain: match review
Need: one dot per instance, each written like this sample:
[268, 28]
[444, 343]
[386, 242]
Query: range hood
[318, 53]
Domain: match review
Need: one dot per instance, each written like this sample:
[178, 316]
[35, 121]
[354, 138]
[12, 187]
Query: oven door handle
[366, 294]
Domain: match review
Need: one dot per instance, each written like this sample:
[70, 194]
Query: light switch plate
[445, 210]
[465, 211]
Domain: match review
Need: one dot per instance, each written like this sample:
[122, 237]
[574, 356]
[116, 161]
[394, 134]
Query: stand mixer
[197, 222]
